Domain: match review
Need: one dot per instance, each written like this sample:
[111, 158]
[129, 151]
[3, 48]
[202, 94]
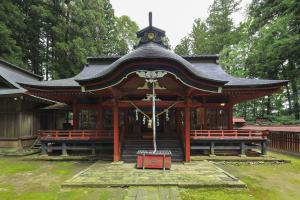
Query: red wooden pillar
[187, 123]
[116, 132]
[75, 114]
[230, 116]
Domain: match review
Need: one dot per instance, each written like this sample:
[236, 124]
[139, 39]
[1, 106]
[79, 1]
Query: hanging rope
[165, 110]
[149, 118]
[157, 115]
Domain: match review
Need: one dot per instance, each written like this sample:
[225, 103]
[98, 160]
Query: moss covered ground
[265, 182]
[42, 180]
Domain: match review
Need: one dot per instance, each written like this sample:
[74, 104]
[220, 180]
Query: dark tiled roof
[12, 75]
[19, 69]
[87, 71]
[149, 51]
[204, 67]
[215, 71]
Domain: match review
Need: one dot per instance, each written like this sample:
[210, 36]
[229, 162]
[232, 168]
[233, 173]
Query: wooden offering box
[149, 159]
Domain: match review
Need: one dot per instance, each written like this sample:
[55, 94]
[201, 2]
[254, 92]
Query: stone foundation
[19, 143]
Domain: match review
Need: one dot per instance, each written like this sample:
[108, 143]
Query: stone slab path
[157, 193]
[196, 174]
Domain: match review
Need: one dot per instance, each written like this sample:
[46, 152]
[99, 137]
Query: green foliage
[213, 34]
[199, 37]
[127, 30]
[184, 48]
[8, 49]
[266, 45]
[53, 38]
[221, 30]
[269, 48]
[10, 28]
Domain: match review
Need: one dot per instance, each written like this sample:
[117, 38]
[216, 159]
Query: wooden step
[131, 146]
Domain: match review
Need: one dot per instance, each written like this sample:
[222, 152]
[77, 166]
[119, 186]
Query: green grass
[41, 180]
[14, 167]
[215, 193]
[264, 181]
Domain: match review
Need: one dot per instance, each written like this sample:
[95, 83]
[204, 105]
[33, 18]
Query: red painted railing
[228, 134]
[75, 134]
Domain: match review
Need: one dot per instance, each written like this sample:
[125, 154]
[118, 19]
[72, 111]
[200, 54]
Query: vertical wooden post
[264, 148]
[116, 131]
[242, 149]
[212, 149]
[75, 114]
[230, 116]
[93, 149]
[187, 123]
[64, 149]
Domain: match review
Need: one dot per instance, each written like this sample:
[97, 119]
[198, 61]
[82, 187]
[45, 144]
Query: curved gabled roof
[200, 65]
[215, 71]
[149, 51]
[12, 74]
[68, 82]
[203, 69]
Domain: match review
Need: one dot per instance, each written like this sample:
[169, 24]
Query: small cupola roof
[151, 34]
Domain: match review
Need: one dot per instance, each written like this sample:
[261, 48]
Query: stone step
[135, 150]
[149, 147]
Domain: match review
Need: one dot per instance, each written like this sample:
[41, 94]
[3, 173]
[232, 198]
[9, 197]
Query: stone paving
[196, 174]
[151, 193]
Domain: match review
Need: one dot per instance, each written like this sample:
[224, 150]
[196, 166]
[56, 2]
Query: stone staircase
[131, 146]
[36, 144]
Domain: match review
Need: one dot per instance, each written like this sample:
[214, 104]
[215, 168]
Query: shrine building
[105, 110]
